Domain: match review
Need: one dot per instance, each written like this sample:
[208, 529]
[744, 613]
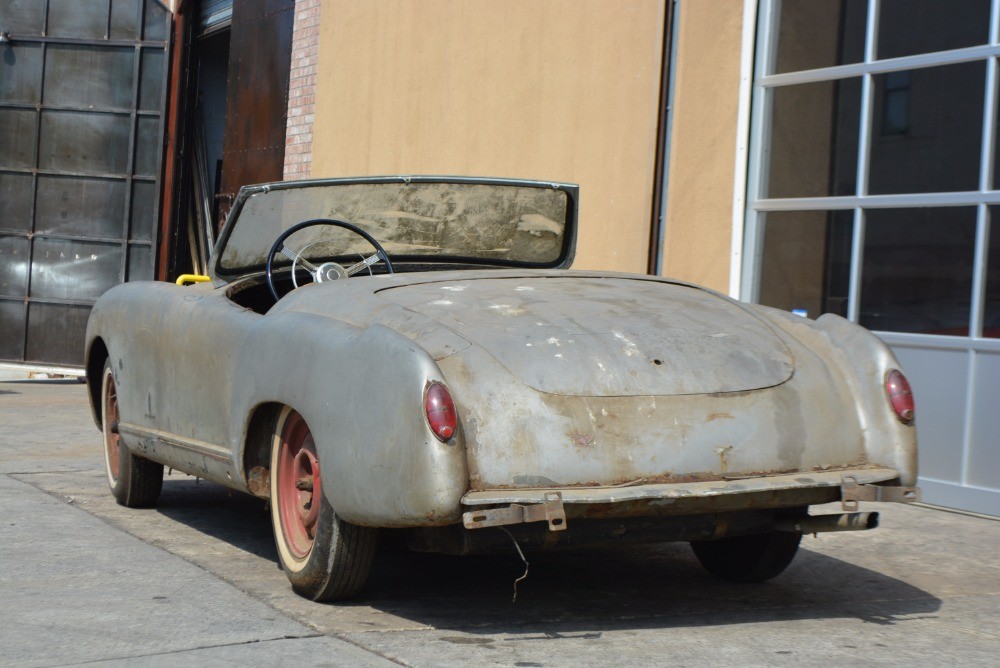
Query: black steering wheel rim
[280, 242]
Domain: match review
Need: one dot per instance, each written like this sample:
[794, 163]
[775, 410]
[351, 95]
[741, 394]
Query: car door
[183, 364]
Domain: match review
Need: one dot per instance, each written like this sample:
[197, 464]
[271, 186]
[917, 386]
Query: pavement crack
[345, 637]
[15, 474]
[303, 636]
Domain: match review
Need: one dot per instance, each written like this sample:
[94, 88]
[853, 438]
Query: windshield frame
[221, 276]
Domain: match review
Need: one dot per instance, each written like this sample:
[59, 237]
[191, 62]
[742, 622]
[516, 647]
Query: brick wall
[302, 91]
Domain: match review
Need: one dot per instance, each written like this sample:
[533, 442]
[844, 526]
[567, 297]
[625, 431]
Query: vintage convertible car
[412, 353]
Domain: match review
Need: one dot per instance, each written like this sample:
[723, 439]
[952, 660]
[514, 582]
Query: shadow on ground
[567, 594]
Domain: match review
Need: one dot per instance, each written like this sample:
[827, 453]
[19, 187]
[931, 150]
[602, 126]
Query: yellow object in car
[184, 279]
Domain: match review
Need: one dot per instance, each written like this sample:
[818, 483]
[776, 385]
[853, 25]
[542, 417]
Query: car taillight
[440, 410]
[900, 395]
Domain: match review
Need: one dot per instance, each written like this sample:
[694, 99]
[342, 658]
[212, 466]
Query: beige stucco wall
[697, 242]
[549, 89]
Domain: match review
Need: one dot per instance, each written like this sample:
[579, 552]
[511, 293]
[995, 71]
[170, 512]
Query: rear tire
[753, 558]
[135, 482]
[325, 558]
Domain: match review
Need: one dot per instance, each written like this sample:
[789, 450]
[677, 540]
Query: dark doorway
[202, 160]
[237, 105]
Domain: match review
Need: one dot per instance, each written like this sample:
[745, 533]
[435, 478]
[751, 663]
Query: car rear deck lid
[606, 335]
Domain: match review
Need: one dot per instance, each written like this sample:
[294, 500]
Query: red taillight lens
[900, 395]
[441, 413]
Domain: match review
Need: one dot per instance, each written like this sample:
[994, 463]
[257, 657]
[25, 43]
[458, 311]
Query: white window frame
[747, 284]
[757, 166]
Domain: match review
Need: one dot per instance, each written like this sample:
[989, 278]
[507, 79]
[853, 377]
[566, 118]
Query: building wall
[302, 91]
[697, 244]
[562, 90]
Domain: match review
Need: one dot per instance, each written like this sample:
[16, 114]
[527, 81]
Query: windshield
[499, 223]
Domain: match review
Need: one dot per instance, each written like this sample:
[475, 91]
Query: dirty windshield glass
[502, 224]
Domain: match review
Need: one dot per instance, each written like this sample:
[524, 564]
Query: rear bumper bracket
[852, 492]
[550, 510]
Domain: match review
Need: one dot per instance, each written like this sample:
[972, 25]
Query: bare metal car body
[592, 406]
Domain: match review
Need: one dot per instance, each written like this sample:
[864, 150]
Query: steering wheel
[327, 271]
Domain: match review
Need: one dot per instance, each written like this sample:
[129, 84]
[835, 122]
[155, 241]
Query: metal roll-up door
[214, 15]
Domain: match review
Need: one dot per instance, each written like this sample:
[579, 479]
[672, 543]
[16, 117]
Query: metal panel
[65, 269]
[23, 18]
[77, 142]
[17, 133]
[257, 104]
[13, 266]
[15, 201]
[54, 333]
[79, 206]
[82, 94]
[12, 314]
[86, 76]
[938, 378]
[20, 83]
[79, 20]
[143, 214]
[984, 453]
[125, 15]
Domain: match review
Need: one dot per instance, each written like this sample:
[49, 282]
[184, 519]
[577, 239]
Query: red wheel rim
[111, 440]
[300, 489]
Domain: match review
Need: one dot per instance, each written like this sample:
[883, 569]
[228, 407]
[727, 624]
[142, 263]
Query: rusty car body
[413, 353]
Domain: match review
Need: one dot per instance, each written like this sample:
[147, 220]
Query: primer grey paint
[700, 397]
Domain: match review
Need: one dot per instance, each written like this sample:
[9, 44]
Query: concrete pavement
[83, 580]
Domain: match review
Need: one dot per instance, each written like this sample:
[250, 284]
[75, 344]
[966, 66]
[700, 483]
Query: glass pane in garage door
[991, 307]
[814, 139]
[807, 261]
[927, 129]
[917, 271]
[908, 27]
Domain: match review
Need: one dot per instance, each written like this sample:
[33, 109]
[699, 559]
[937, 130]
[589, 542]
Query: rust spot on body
[719, 416]
[259, 482]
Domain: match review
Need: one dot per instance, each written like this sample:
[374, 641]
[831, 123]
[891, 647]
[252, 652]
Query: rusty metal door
[82, 95]
[260, 59]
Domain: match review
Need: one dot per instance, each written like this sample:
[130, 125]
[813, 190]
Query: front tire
[325, 558]
[135, 482]
[753, 558]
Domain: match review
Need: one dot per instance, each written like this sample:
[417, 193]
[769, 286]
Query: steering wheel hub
[329, 271]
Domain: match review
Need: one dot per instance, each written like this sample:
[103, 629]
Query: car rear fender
[863, 360]
[360, 391]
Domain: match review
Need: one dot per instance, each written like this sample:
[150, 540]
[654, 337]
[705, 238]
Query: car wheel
[752, 558]
[324, 557]
[135, 482]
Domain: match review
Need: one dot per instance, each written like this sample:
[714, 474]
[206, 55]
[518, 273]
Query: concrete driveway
[196, 581]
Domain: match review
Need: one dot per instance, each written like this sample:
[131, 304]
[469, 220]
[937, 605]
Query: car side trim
[165, 438]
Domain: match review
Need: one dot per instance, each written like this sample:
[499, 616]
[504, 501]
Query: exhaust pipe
[826, 523]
